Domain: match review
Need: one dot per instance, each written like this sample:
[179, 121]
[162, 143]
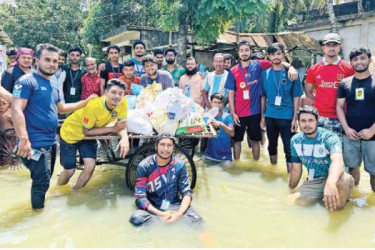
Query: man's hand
[331, 196]
[236, 119]
[119, 125]
[352, 134]
[24, 148]
[7, 117]
[102, 67]
[164, 215]
[123, 144]
[172, 217]
[292, 73]
[263, 124]
[294, 125]
[93, 96]
[215, 124]
[366, 134]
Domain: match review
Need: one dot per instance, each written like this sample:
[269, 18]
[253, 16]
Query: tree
[332, 16]
[206, 19]
[30, 22]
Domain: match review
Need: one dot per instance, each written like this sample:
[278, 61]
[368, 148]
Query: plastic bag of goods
[210, 114]
[136, 89]
[139, 123]
[161, 123]
[132, 101]
[192, 123]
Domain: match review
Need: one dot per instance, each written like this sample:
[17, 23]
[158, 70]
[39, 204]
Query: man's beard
[311, 133]
[164, 158]
[246, 59]
[170, 61]
[191, 72]
[45, 73]
[361, 70]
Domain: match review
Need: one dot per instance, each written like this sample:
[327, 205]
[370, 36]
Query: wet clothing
[10, 76]
[219, 148]
[138, 67]
[332, 124]
[94, 115]
[250, 125]
[246, 82]
[176, 73]
[357, 150]
[157, 183]
[41, 172]
[275, 84]
[72, 85]
[142, 217]
[360, 102]
[326, 78]
[111, 72]
[68, 152]
[216, 84]
[41, 109]
[314, 153]
[90, 85]
[163, 77]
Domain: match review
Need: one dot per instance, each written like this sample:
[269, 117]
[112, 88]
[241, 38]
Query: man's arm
[295, 174]
[228, 129]
[309, 90]
[64, 108]
[331, 195]
[24, 146]
[292, 72]
[5, 94]
[295, 112]
[123, 144]
[119, 125]
[231, 107]
[102, 84]
[350, 133]
[6, 81]
[367, 133]
[262, 111]
[205, 98]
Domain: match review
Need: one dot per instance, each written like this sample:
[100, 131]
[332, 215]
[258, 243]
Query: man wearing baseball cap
[24, 60]
[325, 77]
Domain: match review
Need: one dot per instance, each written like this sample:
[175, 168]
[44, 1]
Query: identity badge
[360, 94]
[246, 95]
[311, 174]
[165, 204]
[278, 100]
[72, 91]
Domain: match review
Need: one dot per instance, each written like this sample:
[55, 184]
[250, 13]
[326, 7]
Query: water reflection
[245, 206]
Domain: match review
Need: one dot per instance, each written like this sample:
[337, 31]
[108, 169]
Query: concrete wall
[355, 33]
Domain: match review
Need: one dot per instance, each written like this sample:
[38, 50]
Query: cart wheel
[149, 149]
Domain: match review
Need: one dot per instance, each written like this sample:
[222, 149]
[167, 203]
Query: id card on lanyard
[166, 202]
[310, 159]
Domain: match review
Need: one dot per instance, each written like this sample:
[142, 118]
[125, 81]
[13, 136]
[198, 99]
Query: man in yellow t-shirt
[89, 121]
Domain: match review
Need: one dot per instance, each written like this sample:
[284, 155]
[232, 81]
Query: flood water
[242, 207]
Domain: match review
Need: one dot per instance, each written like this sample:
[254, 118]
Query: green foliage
[30, 22]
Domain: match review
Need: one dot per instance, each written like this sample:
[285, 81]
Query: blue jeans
[41, 172]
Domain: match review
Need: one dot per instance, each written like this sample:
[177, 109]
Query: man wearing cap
[163, 188]
[324, 77]
[24, 60]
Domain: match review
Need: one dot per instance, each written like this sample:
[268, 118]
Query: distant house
[4, 42]
[356, 25]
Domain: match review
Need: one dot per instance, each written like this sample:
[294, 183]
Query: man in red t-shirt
[325, 77]
[128, 78]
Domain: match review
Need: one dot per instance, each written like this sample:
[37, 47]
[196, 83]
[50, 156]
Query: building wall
[354, 33]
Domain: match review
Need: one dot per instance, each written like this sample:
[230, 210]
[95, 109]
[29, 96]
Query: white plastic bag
[139, 123]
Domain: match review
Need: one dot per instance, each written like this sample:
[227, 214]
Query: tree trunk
[182, 38]
[332, 17]
[274, 18]
[360, 6]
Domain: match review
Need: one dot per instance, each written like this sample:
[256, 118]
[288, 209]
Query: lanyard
[311, 157]
[278, 82]
[58, 75]
[115, 75]
[246, 79]
[72, 80]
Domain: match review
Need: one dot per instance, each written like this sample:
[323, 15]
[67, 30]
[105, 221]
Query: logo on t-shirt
[86, 120]
[17, 90]
[340, 77]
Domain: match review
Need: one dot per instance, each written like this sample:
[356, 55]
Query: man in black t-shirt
[72, 85]
[358, 93]
[113, 69]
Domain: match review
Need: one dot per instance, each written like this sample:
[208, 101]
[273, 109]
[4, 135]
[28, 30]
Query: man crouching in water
[161, 180]
[320, 151]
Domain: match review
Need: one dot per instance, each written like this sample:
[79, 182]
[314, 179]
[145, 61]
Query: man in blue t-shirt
[219, 148]
[163, 188]
[279, 105]
[34, 111]
[320, 151]
[139, 51]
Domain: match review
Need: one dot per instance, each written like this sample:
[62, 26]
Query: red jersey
[128, 83]
[90, 85]
[326, 78]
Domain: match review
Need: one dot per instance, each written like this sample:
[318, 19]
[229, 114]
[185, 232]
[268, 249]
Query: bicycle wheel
[149, 149]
